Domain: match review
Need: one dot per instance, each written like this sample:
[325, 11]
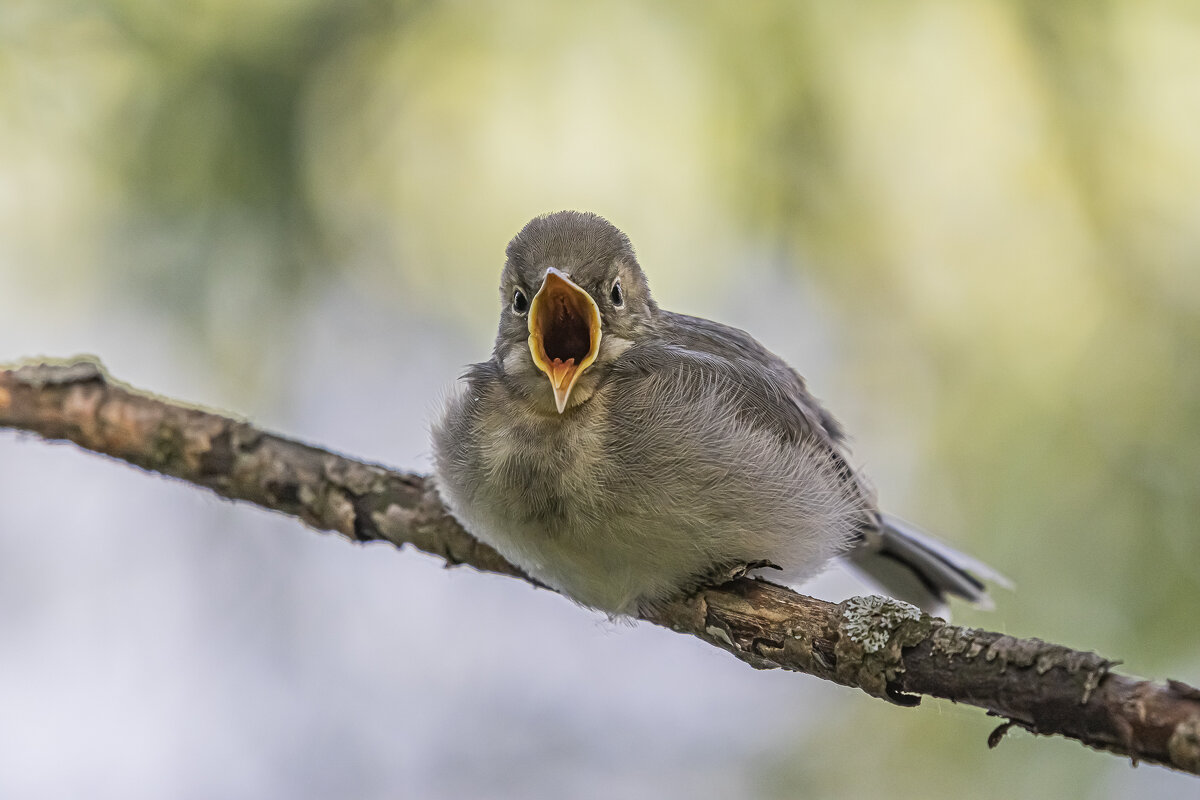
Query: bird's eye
[616, 295]
[520, 303]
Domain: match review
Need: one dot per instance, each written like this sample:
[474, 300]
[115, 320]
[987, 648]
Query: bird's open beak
[564, 333]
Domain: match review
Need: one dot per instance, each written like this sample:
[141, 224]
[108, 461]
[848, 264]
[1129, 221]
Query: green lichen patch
[872, 635]
[869, 621]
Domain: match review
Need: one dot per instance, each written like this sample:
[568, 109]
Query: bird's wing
[459, 435]
[756, 386]
[770, 394]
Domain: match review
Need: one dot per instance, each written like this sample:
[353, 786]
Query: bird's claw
[729, 573]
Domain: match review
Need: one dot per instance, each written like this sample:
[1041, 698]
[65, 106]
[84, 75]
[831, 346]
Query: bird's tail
[914, 567]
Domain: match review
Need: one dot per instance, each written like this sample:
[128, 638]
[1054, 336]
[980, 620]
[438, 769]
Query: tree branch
[887, 649]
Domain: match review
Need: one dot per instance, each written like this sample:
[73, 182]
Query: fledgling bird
[625, 455]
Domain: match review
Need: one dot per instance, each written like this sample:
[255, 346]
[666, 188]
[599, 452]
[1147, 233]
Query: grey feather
[686, 450]
[911, 565]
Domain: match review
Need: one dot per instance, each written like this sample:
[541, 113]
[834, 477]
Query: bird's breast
[548, 470]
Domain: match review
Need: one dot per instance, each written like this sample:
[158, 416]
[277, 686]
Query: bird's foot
[727, 573]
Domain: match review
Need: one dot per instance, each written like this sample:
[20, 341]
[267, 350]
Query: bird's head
[573, 298]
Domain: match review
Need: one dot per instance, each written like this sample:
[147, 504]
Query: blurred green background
[974, 226]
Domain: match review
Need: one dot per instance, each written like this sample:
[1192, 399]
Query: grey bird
[626, 455]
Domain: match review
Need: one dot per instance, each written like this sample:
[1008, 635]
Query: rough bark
[887, 649]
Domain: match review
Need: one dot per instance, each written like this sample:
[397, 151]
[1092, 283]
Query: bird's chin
[584, 389]
[530, 383]
[541, 395]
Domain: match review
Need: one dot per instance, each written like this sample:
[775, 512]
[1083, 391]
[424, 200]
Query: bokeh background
[974, 226]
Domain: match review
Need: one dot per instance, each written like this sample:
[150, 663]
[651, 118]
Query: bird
[626, 455]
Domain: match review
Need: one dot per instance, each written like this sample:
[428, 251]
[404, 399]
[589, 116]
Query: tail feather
[913, 566]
